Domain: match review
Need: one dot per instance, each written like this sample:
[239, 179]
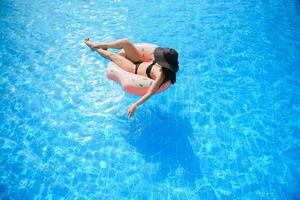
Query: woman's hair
[169, 75]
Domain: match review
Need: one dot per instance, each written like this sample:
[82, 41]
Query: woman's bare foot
[89, 43]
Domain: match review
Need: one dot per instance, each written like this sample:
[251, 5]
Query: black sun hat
[167, 58]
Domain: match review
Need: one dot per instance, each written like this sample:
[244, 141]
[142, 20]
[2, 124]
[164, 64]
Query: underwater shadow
[163, 137]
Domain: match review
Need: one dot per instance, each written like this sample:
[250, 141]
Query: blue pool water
[228, 129]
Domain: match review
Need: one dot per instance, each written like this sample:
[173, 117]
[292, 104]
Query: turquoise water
[228, 129]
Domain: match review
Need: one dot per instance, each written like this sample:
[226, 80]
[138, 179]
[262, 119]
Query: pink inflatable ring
[133, 83]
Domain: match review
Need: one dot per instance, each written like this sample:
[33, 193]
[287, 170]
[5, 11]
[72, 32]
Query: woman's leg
[119, 60]
[130, 50]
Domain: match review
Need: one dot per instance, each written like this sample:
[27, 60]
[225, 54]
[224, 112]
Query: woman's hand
[132, 109]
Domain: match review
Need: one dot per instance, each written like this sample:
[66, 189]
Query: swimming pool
[228, 129]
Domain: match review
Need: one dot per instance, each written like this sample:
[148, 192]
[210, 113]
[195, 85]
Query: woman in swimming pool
[162, 69]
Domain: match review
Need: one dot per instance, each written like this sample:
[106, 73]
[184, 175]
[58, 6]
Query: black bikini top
[148, 70]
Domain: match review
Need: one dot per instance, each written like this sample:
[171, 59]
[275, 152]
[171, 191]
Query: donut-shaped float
[133, 83]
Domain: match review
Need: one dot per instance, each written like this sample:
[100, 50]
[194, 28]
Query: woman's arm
[149, 93]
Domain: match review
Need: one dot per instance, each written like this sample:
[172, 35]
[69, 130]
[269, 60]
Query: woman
[162, 69]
